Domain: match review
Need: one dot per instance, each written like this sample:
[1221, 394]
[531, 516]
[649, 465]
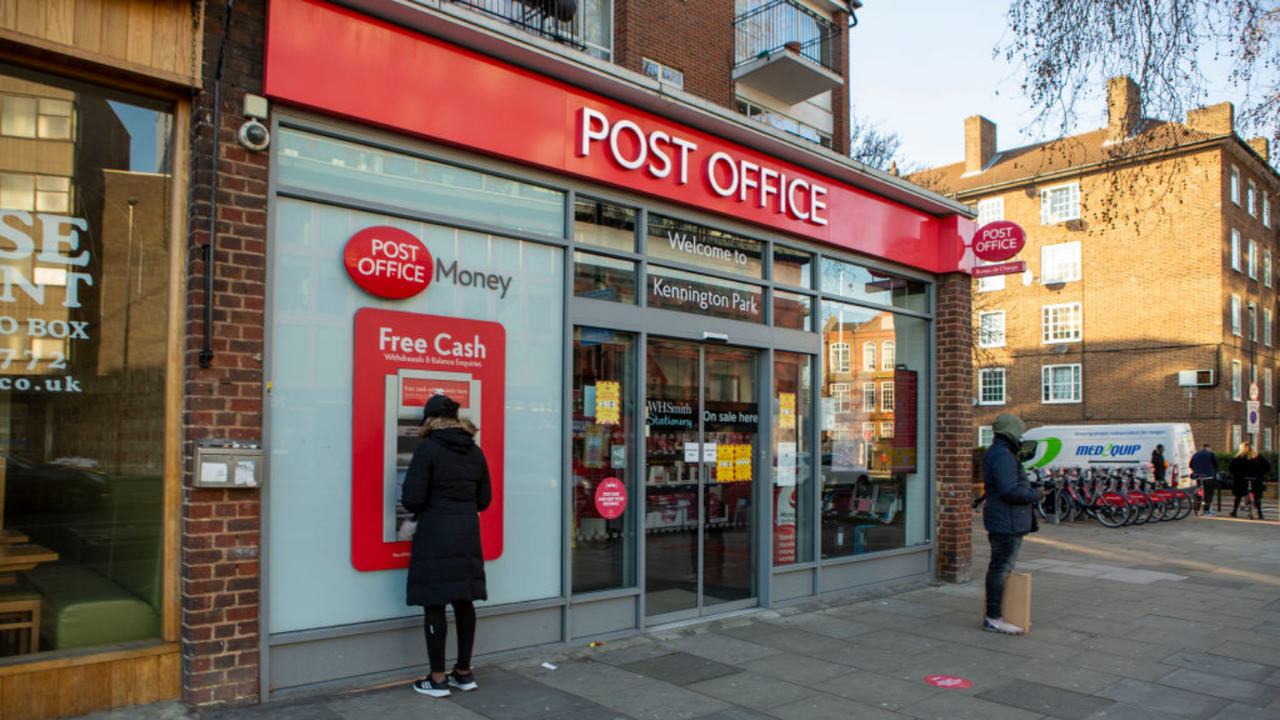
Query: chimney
[979, 143]
[1261, 146]
[1124, 108]
[1217, 119]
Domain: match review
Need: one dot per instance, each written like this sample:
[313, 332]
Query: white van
[1059, 446]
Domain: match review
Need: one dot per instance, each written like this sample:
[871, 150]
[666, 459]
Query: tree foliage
[1068, 48]
[871, 145]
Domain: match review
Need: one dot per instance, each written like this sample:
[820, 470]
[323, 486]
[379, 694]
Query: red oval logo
[388, 262]
[611, 498]
[999, 240]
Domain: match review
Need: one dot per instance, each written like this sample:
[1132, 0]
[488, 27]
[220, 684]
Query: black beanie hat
[440, 406]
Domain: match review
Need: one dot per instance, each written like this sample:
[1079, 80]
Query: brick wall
[955, 418]
[220, 528]
[695, 38]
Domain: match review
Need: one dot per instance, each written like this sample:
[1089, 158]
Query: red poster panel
[401, 359]
[902, 449]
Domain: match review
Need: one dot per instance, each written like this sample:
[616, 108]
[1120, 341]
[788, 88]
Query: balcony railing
[785, 24]
[590, 30]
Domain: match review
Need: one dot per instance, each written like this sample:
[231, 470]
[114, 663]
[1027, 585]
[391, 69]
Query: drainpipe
[206, 352]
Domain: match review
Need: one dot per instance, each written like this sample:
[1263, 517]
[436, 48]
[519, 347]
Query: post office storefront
[703, 375]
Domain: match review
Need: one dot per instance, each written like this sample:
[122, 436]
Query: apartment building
[1150, 286]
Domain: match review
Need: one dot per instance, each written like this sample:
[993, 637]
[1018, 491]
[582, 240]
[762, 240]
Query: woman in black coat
[1249, 472]
[446, 487]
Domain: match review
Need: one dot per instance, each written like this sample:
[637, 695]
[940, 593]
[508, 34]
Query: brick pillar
[840, 96]
[955, 438]
[221, 528]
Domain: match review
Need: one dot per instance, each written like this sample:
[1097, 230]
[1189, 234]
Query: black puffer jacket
[1009, 494]
[446, 487]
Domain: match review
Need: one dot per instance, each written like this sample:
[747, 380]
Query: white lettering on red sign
[442, 344]
[661, 153]
[388, 262]
[999, 240]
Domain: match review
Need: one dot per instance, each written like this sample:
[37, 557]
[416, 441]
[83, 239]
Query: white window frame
[841, 394]
[839, 357]
[1266, 268]
[1251, 195]
[1047, 384]
[991, 374]
[1060, 262]
[986, 435]
[1235, 250]
[1253, 320]
[868, 431]
[1068, 197]
[991, 335]
[886, 396]
[1235, 315]
[1266, 326]
[1237, 380]
[1266, 387]
[990, 282]
[1051, 323]
[886, 428]
[869, 360]
[888, 354]
[1235, 184]
[990, 210]
[1236, 438]
[1253, 259]
[1266, 210]
[868, 397]
[1266, 438]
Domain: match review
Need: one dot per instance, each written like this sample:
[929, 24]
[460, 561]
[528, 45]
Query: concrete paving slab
[719, 647]
[1118, 667]
[798, 669]
[753, 690]
[1062, 675]
[1245, 712]
[1264, 654]
[400, 703]
[505, 695]
[1168, 700]
[623, 656]
[1228, 688]
[309, 709]
[801, 642]
[1046, 700]
[679, 668]
[1125, 711]
[1128, 647]
[1219, 665]
[648, 702]
[827, 707]
[826, 625]
[154, 711]
[877, 689]
[736, 713]
[585, 678]
[955, 706]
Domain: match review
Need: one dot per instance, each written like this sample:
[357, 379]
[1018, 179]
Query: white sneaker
[998, 625]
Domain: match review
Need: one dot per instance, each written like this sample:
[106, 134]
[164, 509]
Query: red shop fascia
[340, 62]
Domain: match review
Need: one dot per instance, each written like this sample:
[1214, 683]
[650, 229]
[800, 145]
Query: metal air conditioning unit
[1195, 378]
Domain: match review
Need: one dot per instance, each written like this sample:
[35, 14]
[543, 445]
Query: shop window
[1060, 384]
[792, 267]
[1253, 259]
[991, 329]
[1059, 204]
[604, 224]
[672, 289]
[840, 357]
[604, 367]
[793, 516]
[1060, 263]
[888, 354]
[1235, 184]
[872, 285]
[1235, 250]
[329, 167]
[869, 356]
[600, 277]
[703, 247]
[1237, 380]
[792, 311]
[1235, 315]
[1060, 323]
[991, 386]
[874, 493]
[986, 436]
[84, 363]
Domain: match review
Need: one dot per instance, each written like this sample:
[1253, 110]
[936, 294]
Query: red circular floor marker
[950, 682]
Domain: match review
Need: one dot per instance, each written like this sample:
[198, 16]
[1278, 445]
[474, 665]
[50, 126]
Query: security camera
[254, 135]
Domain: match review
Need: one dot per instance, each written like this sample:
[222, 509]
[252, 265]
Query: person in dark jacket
[446, 488]
[1007, 515]
[1158, 464]
[1249, 472]
[1204, 467]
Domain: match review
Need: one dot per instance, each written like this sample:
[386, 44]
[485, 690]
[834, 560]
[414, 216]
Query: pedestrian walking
[1204, 465]
[1007, 515]
[446, 488]
[1158, 465]
[1249, 471]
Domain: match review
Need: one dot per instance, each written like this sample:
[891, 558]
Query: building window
[1266, 211]
[1235, 438]
[1266, 386]
[888, 354]
[1060, 263]
[868, 397]
[662, 73]
[990, 282]
[29, 117]
[1060, 323]
[1266, 268]
[991, 329]
[1253, 260]
[784, 123]
[1266, 327]
[1061, 203]
[1251, 199]
[1266, 440]
[1060, 384]
[1235, 250]
[985, 436]
[991, 386]
[840, 392]
[886, 429]
[1253, 321]
[869, 356]
[1237, 379]
[1235, 184]
[840, 357]
[35, 193]
[990, 210]
[1235, 314]
[886, 396]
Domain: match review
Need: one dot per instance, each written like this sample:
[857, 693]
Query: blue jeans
[1004, 553]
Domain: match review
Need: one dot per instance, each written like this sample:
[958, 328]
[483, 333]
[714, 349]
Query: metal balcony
[590, 30]
[787, 51]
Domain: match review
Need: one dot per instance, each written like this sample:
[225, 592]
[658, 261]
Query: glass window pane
[52, 202]
[793, 465]
[715, 250]
[690, 292]
[600, 277]
[604, 363]
[792, 267]
[19, 117]
[874, 489]
[604, 224]
[17, 192]
[60, 108]
[359, 172]
[792, 310]
[864, 284]
[54, 128]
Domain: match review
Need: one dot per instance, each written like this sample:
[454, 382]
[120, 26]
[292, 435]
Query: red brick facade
[953, 445]
[695, 38]
[221, 528]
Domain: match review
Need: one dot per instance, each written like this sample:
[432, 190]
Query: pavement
[1171, 620]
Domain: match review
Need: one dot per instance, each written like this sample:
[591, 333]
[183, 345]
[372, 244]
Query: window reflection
[864, 284]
